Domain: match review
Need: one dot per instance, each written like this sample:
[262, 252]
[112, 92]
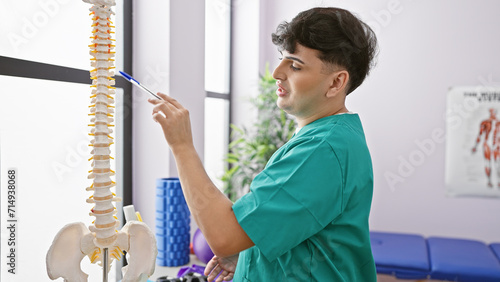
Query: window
[217, 45]
[216, 137]
[217, 85]
[44, 101]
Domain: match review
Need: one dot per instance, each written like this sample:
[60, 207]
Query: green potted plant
[251, 148]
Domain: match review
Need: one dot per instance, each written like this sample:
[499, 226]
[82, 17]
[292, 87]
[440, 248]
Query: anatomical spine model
[102, 242]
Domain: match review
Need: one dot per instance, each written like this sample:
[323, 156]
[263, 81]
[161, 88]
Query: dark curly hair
[342, 39]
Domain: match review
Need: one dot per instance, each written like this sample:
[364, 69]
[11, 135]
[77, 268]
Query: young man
[306, 217]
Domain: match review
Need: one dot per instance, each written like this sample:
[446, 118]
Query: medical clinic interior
[91, 189]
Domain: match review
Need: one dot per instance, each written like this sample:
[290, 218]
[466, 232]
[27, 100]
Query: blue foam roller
[172, 223]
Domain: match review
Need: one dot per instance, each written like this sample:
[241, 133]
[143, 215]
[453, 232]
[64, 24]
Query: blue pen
[135, 82]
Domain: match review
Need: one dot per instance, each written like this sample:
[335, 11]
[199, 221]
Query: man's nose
[279, 73]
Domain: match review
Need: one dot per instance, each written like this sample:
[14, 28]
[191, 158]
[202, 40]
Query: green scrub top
[307, 211]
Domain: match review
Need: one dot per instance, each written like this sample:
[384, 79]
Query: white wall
[150, 67]
[425, 48]
[168, 57]
[246, 39]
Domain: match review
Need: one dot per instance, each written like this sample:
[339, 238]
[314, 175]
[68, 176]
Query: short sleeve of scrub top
[286, 202]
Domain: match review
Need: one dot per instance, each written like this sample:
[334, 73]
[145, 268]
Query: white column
[168, 57]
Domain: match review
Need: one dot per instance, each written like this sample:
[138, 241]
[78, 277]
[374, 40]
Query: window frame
[227, 96]
[15, 67]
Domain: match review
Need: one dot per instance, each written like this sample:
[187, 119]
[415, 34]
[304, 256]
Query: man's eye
[294, 68]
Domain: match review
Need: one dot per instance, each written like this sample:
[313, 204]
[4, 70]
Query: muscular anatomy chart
[473, 142]
[485, 129]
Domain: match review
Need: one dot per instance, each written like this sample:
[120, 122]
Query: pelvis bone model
[102, 242]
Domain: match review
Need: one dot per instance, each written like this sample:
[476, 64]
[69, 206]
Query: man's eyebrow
[295, 59]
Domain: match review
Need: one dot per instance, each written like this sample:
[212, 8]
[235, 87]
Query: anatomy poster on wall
[473, 141]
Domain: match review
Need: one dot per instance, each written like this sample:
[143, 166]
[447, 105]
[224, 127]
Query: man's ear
[339, 83]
